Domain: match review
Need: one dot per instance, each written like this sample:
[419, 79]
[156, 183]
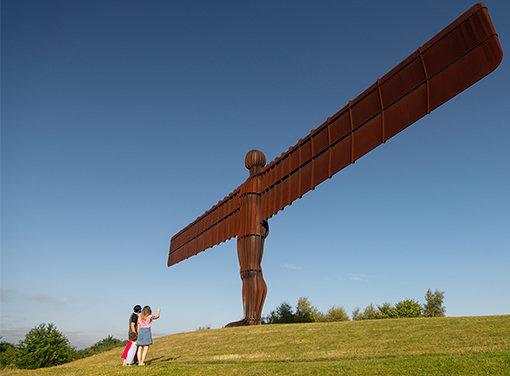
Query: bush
[336, 314]
[105, 344]
[7, 354]
[408, 308]
[281, 315]
[43, 346]
[387, 311]
[370, 313]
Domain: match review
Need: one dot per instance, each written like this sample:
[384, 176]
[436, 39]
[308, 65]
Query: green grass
[422, 346]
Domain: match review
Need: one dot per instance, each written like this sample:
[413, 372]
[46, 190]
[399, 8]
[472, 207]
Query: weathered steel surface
[460, 55]
[253, 230]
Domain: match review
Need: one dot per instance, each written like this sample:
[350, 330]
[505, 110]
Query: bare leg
[142, 353]
[139, 355]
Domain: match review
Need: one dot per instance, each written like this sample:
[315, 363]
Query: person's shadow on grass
[161, 359]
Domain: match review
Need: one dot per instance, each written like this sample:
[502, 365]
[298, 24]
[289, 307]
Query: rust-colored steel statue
[463, 53]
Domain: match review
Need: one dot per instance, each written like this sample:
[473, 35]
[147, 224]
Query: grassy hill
[421, 346]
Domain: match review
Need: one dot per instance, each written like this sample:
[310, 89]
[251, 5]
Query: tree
[356, 314]
[408, 308]
[7, 354]
[370, 313]
[105, 344]
[336, 314]
[305, 312]
[281, 315]
[387, 311]
[434, 306]
[43, 346]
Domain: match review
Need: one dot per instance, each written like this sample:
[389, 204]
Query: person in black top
[133, 328]
[133, 320]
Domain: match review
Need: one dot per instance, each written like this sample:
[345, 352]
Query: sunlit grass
[442, 346]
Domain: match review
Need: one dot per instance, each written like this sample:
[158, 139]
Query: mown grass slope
[422, 346]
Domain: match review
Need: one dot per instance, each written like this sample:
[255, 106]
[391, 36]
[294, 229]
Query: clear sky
[123, 121]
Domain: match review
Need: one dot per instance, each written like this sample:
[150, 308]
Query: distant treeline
[305, 312]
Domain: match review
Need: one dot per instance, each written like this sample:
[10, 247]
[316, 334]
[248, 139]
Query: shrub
[387, 311]
[336, 314]
[370, 313]
[7, 354]
[408, 308]
[105, 344]
[281, 315]
[43, 346]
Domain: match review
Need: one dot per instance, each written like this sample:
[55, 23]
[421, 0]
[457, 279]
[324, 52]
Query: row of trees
[46, 346]
[305, 312]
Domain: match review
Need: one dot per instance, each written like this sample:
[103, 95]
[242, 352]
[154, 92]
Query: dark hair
[132, 336]
[137, 308]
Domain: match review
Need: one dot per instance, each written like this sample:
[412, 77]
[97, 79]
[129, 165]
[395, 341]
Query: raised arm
[157, 316]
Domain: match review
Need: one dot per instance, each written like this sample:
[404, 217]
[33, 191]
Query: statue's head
[255, 160]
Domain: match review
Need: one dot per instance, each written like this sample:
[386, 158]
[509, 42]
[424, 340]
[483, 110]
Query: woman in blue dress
[144, 333]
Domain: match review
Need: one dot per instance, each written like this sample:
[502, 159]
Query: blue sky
[123, 121]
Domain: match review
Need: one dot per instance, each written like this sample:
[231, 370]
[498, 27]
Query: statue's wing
[217, 225]
[460, 55]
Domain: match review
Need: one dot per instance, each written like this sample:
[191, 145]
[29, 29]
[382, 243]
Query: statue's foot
[243, 322]
[236, 323]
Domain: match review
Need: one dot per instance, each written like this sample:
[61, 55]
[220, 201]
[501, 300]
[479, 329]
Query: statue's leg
[249, 250]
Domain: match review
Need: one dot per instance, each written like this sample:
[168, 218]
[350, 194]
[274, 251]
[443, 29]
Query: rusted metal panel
[463, 53]
[294, 186]
[214, 235]
[339, 125]
[285, 192]
[341, 155]
[305, 150]
[367, 137]
[277, 191]
[320, 140]
[305, 178]
[365, 106]
[402, 81]
[321, 167]
[294, 158]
